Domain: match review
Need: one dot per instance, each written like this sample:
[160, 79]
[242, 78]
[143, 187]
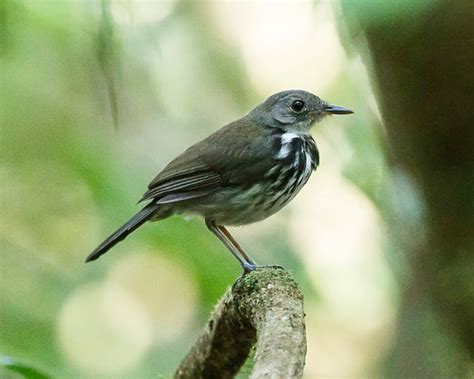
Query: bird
[241, 174]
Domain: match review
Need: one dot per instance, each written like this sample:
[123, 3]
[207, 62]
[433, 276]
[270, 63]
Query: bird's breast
[294, 156]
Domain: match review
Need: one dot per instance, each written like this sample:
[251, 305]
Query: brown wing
[242, 152]
[235, 154]
[187, 175]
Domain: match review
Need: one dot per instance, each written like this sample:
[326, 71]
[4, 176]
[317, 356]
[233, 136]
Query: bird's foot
[249, 267]
[270, 266]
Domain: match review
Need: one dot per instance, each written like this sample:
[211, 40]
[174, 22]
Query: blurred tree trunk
[421, 58]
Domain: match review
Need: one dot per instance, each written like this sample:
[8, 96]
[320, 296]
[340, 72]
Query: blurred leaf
[24, 370]
[380, 12]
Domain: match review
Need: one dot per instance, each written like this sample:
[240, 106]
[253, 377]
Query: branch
[266, 306]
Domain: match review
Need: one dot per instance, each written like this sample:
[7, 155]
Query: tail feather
[120, 234]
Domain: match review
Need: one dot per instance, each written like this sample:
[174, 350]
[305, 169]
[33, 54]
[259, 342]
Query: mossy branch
[263, 307]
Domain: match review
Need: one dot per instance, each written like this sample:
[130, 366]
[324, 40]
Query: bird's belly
[240, 206]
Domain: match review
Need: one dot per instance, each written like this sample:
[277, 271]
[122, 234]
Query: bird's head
[294, 110]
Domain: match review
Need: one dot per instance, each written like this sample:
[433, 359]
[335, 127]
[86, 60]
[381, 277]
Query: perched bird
[240, 174]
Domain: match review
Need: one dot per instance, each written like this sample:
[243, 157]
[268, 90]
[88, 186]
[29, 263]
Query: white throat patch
[286, 139]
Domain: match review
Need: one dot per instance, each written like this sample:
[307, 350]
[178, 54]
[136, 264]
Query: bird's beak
[336, 109]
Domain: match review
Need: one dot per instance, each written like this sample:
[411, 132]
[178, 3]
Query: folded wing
[184, 178]
[239, 153]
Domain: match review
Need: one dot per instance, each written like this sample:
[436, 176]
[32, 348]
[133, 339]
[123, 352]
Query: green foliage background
[94, 100]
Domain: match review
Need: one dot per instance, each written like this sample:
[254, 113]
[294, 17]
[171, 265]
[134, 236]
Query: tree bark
[264, 306]
[421, 58]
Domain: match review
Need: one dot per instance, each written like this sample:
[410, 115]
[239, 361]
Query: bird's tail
[135, 222]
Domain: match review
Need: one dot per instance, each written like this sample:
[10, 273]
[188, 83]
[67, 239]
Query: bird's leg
[247, 266]
[236, 244]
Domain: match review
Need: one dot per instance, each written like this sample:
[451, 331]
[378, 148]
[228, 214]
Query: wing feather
[193, 182]
[187, 175]
[239, 153]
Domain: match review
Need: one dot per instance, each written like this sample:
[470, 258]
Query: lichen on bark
[264, 307]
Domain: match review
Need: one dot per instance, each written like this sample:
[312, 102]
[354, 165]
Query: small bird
[240, 174]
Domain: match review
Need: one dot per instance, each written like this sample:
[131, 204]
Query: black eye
[297, 106]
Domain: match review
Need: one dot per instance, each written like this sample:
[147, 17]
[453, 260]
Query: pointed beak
[336, 109]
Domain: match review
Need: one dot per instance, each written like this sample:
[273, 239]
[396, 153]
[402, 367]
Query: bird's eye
[297, 106]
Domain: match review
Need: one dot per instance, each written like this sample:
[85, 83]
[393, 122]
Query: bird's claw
[271, 266]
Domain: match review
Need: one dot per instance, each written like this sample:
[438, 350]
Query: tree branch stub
[264, 306]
